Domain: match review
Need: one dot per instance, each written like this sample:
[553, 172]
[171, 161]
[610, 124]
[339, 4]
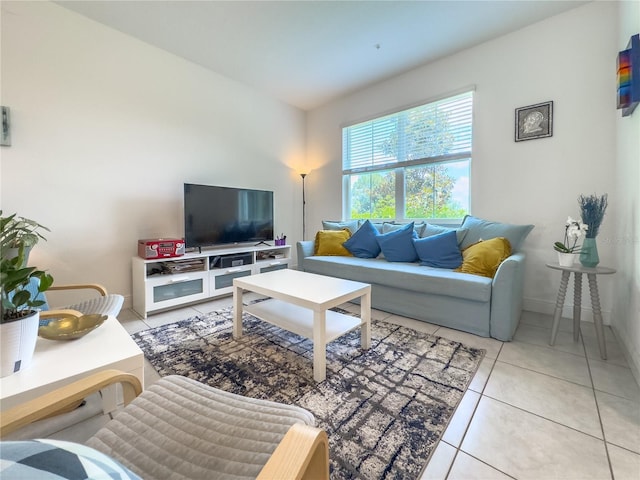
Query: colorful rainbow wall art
[629, 77]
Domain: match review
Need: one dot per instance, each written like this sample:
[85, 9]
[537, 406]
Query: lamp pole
[303, 206]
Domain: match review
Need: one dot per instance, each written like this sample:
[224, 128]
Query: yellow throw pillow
[329, 242]
[484, 258]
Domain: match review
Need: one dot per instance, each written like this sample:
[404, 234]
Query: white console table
[58, 363]
[164, 283]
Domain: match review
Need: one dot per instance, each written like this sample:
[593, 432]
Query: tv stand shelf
[164, 283]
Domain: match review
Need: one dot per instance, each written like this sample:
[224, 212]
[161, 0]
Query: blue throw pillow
[439, 251]
[397, 246]
[363, 243]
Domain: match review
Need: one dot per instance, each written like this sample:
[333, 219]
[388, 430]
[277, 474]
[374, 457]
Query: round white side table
[592, 274]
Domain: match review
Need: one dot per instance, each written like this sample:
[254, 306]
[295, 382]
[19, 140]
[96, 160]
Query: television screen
[223, 215]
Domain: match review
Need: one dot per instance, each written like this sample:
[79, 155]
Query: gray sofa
[489, 307]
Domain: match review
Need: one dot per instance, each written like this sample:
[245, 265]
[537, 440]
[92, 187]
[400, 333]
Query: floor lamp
[303, 207]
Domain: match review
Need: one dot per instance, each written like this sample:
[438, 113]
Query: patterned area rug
[384, 409]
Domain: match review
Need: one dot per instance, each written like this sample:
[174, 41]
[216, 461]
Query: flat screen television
[216, 215]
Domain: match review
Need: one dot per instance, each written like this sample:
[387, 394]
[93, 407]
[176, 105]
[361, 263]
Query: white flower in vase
[573, 230]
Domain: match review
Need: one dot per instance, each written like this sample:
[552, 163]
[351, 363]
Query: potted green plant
[20, 231]
[19, 292]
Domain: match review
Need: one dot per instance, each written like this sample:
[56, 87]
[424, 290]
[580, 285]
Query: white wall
[570, 59]
[626, 239]
[105, 131]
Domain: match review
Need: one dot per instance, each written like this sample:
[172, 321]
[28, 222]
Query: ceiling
[307, 53]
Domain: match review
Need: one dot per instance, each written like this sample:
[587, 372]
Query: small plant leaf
[559, 246]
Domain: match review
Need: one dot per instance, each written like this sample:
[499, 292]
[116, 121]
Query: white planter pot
[10, 253]
[17, 344]
[566, 259]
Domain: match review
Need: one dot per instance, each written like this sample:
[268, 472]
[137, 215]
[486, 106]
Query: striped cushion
[182, 429]
[55, 460]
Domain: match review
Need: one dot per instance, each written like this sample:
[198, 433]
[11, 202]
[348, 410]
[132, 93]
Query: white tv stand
[164, 283]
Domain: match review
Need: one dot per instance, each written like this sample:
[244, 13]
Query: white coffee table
[58, 363]
[300, 303]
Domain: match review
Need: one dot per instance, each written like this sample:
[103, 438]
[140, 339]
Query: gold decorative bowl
[70, 328]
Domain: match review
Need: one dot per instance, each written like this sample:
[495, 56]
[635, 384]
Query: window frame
[399, 166]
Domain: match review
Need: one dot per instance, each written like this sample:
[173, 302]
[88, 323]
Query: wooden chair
[187, 429]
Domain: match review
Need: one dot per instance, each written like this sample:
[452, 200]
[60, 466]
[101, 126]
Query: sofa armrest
[304, 250]
[506, 297]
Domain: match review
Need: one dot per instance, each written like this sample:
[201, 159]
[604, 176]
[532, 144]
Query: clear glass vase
[589, 253]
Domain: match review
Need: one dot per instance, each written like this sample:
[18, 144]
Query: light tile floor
[532, 411]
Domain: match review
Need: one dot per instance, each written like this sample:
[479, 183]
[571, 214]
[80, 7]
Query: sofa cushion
[480, 229]
[379, 226]
[404, 276]
[431, 230]
[352, 225]
[329, 242]
[397, 246]
[363, 243]
[439, 251]
[484, 258]
[392, 227]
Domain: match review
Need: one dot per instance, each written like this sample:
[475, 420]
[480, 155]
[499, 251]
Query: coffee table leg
[319, 345]
[237, 312]
[365, 316]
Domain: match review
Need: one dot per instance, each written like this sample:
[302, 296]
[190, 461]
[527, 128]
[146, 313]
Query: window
[413, 164]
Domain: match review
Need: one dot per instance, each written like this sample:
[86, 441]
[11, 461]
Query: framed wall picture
[629, 76]
[534, 121]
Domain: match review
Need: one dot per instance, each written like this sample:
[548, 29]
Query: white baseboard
[128, 302]
[548, 308]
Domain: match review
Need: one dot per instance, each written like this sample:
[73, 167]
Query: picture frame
[628, 74]
[5, 133]
[534, 121]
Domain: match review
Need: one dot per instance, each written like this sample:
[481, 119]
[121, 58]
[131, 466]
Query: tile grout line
[595, 398]
[545, 374]
[459, 448]
[586, 356]
[553, 348]
[591, 388]
[479, 460]
[544, 418]
[539, 327]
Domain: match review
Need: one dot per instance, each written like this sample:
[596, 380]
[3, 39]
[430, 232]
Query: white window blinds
[434, 132]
